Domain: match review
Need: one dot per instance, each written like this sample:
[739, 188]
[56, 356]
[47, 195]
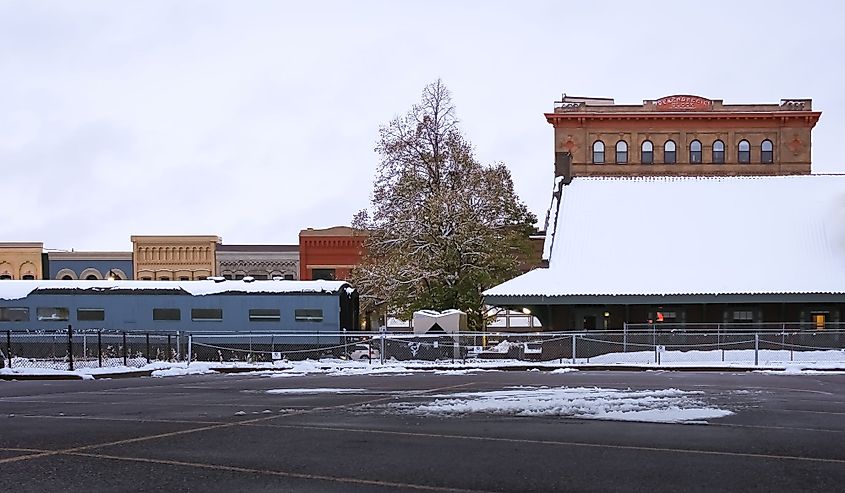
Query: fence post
[573, 349]
[625, 337]
[70, 346]
[756, 348]
[169, 351]
[383, 332]
[654, 341]
[791, 345]
[9, 347]
[100, 348]
[190, 341]
[125, 351]
[148, 348]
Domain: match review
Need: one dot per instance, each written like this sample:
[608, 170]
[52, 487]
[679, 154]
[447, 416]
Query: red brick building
[683, 136]
[329, 253]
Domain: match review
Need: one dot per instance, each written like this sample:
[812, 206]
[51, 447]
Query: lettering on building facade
[683, 103]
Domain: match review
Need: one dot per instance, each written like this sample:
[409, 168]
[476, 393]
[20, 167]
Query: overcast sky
[252, 120]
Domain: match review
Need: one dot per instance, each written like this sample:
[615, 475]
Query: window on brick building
[598, 152]
[621, 152]
[743, 152]
[669, 156]
[767, 152]
[647, 152]
[324, 274]
[718, 152]
[695, 152]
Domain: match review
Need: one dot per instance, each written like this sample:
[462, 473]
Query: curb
[125, 374]
[48, 376]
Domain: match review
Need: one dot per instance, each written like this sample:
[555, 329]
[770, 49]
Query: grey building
[258, 261]
[89, 265]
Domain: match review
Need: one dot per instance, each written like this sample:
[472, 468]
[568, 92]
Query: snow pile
[660, 406]
[319, 390]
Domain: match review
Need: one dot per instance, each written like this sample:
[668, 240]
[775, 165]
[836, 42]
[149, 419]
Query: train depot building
[685, 210]
[688, 250]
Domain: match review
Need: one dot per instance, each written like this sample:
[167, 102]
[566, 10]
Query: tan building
[174, 258]
[20, 260]
[682, 135]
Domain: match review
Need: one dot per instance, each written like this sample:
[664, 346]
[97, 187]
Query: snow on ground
[771, 361]
[743, 357]
[319, 390]
[663, 406]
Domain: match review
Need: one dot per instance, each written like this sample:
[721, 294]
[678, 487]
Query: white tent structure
[434, 322]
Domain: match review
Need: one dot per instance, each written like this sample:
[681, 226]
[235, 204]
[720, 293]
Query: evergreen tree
[442, 227]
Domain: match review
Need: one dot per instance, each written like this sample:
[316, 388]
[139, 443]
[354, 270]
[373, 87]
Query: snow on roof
[694, 235]
[15, 290]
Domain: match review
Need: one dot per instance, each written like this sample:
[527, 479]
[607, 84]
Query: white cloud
[253, 120]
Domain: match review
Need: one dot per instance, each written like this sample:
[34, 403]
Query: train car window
[92, 314]
[52, 314]
[207, 314]
[265, 315]
[308, 315]
[167, 314]
[14, 314]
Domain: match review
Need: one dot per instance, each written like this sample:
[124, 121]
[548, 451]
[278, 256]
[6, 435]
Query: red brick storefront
[329, 253]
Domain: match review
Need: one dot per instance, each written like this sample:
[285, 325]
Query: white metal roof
[694, 235]
[14, 290]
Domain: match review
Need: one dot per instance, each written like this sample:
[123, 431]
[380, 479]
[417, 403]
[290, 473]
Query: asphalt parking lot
[227, 433]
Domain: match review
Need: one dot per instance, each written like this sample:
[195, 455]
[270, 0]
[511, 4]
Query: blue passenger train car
[209, 306]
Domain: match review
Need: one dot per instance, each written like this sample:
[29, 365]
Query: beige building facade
[683, 135]
[174, 258]
[21, 260]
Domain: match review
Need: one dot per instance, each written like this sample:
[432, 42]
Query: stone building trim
[90, 271]
[66, 272]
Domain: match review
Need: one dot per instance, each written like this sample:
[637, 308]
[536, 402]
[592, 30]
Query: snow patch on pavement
[658, 406]
[319, 390]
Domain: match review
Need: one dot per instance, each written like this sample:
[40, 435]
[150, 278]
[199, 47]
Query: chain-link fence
[656, 345]
[69, 349]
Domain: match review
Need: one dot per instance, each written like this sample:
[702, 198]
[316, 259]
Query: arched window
[669, 156]
[621, 152]
[28, 277]
[695, 152]
[598, 152]
[67, 278]
[91, 277]
[743, 152]
[647, 152]
[718, 152]
[767, 152]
